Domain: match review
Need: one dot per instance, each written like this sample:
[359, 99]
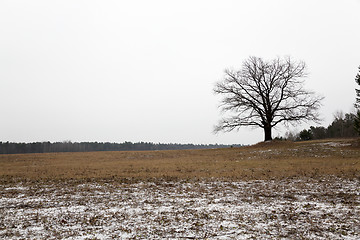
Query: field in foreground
[268, 191]
[258, 209]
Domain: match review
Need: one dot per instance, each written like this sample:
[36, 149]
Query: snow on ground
[283, 209]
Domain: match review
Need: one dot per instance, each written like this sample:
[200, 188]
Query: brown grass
[274, 160]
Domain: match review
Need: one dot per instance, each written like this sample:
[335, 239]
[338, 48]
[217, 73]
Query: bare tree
[266, 93]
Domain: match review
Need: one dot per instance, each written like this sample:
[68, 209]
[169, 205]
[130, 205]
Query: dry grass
[275, 160]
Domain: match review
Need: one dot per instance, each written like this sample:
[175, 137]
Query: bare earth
[269, 191]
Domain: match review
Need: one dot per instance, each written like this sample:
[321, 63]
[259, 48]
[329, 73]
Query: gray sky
[145, 70]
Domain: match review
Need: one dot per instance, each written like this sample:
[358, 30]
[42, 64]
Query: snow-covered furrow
[288, 209]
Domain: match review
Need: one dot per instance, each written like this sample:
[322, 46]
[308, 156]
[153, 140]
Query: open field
[263, 161]
[281, 190]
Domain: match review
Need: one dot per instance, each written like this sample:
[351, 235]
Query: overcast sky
[145, 70]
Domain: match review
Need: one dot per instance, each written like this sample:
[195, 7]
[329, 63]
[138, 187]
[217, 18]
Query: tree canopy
[265, 93]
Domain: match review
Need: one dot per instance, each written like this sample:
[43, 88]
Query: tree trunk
[267, 130]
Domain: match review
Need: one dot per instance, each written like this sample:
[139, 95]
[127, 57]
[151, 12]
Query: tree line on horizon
[341, 127]
[68, 146]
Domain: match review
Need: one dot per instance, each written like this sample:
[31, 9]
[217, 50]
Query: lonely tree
[266, 93]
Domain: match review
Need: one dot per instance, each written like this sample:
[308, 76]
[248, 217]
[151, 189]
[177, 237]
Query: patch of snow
[335, 144]
[289, 209]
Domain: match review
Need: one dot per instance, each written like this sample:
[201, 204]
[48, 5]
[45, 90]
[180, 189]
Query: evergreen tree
[357, 122]
[306, 135]
[357, 104]
[357, 80]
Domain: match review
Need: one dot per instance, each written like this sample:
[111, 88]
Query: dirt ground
[257, 209]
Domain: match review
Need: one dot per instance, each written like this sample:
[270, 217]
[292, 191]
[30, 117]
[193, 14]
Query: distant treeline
[68, 146]
[341, 127]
